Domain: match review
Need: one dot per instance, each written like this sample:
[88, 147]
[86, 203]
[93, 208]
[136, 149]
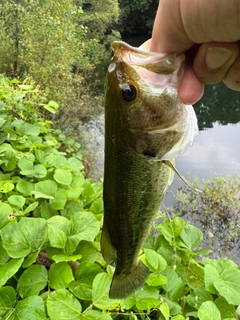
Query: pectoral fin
[169, 164]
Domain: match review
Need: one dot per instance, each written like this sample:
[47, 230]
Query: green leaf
[164, 308]
[197, 297]
[88, 251]
[84, 227]
[173, 279]
[24, 237]
[191, 237]
[60, 282]
[154, 260]
[229, 286]
[61, 304]
[52, 106]
[147, 304]
[31, 207]
[17, 200]
[29, 308]
[32, 281]
[101, 287]
[30, 259]
[227, 310]
[8, 269]
[58, 230]
[146, 293]
[81, 290]
[61, 257]
[195, 274]
[179, 317]
[156, 280]
[63, 176]
[7, 301]
[26, 167]
[45, 189]
[46, 210]
[73, 194]
[171, 229]
[209, 311]
[10, 164]
[39, 171]
[40, 156]
[211, 274]
[74, 164]
[6, 186]
[59, 161]
[25, 187]
[29, 129]
[85, 274]
[60, 199]
[95, 314]
[78, 181]
[5, 214]
[4, 257]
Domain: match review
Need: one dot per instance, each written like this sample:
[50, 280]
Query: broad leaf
[29, 308]
[8, 270]
[209, 311]
[24, 237]
[32, 281]
[62, 305]
[101, 287]
[60, 282]
[7, 301]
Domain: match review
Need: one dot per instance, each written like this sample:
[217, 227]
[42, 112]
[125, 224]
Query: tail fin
[124, 284]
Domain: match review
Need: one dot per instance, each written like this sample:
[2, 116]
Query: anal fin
[107, 249]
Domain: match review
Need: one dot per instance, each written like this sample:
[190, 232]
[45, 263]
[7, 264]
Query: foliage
[216, 211]
[50, 219]
[49, 42]
[137, 17]
[215, 196]
[214, 106]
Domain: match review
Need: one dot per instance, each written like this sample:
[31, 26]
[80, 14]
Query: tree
[54, 43]
[136, 17]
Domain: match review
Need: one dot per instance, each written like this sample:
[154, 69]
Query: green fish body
[146, 125]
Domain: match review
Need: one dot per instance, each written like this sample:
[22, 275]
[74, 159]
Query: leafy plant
[50, 220]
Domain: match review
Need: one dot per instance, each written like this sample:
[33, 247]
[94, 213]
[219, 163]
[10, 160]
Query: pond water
[216, 149]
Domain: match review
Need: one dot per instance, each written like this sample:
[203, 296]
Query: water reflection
[216, 147]
[219, 104]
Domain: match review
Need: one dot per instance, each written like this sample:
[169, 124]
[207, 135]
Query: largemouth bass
[146, 127]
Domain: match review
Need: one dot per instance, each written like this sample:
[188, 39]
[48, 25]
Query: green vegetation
[50, 221]
[136, 17]
[60, 47]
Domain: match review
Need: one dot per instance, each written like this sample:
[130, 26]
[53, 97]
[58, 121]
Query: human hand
[208, 32]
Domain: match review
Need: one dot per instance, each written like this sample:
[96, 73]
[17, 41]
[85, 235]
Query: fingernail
[216, 57]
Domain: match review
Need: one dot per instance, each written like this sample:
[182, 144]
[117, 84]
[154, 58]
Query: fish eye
[129, 92]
